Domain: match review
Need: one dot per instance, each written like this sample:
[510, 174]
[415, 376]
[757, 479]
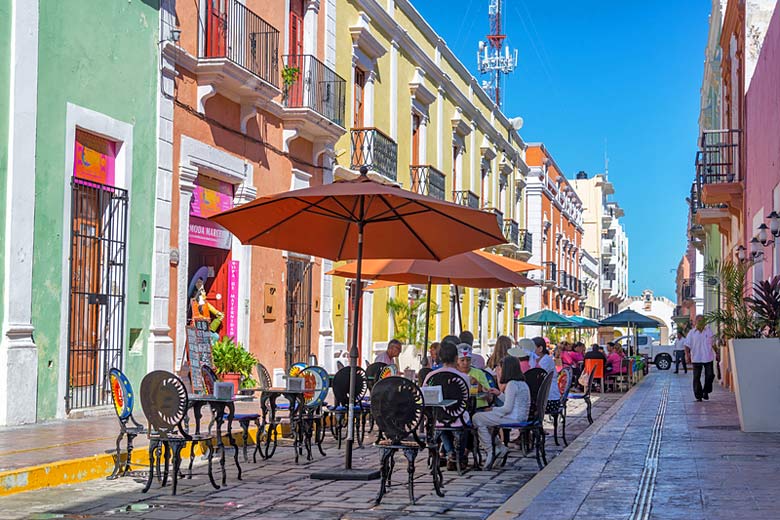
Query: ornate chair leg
[210, 445]
[555, 428]
[177, 447]
[117, 458]
[245, 436]
[192, 459]
[152, 453]
[166, 462]
[320, 434]
[542, 442]
[410, 455]
[384, 474]
[538, 444]
[130, 439]
[589, 405]
[563, 427]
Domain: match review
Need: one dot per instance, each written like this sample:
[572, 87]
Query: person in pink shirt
[566, 354]
[615, 360]
[578, 354]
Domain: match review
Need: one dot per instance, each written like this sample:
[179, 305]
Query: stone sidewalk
[659, 454]
[279, 488]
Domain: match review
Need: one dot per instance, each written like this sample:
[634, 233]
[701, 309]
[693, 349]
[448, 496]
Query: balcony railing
[466, 198]
[427, 180]
[550, 272]
[525, 240]
[374, 150]
[688, 289]
[512, 231]
[316, 86]
[717, 160]
[238, 34]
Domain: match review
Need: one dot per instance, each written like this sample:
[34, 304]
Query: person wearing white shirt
[389, 356]
[698, 345]
[545, 361]
[679, 353]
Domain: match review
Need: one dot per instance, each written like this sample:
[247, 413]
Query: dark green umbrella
[582, 322]
[546, 318]
[630, 318]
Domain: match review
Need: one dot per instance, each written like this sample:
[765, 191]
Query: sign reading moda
[209, 198]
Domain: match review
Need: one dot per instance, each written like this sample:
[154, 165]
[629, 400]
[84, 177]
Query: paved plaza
[653, 453]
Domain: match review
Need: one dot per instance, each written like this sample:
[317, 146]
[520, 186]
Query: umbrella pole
[427, 319]
[457, 306]
[353, 351]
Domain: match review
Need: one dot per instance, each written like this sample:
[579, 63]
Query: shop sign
[211, 197]
[94, 158]
[210, 234]
[232, 299]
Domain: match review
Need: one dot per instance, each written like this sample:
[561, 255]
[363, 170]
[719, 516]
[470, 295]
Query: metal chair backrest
[164, 401]
[453, 387]
[596, 365]
[122, 394]
[542, 396]
[586, 390]
[397, 407]
[315, 385]
[422, 374]
[209, 378]
[264, 378]
[372, 373]
[341, 385]
[534, 378]
[491, 379]
[565, 377]
[296, 369]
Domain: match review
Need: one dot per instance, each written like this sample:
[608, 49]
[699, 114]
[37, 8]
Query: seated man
[448, 356]
[390, 356]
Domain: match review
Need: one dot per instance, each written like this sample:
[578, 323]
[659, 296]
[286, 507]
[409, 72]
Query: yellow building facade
[416, 117]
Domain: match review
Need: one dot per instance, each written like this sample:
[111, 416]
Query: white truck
[662, 356]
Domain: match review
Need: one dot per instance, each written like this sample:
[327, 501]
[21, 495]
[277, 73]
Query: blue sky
[589, 71]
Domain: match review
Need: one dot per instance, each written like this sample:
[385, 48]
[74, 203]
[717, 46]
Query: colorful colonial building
[417, 117]
[554, 215]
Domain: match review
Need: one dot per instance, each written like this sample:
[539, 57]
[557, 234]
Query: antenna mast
[493, 59]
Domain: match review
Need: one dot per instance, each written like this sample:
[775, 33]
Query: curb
[72, 471]
[517, 503]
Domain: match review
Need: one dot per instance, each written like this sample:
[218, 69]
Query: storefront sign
[232, 299]
[206, 233]
[210, 197]
[94, 158]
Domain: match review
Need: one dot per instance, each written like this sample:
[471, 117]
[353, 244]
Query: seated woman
[615, 360]
[567, 358]
[516, 398]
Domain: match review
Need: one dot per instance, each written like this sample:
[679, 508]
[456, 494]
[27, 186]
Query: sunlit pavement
[279, 488]
[661, 455]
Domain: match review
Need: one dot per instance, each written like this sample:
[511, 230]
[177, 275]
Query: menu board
[198, 352]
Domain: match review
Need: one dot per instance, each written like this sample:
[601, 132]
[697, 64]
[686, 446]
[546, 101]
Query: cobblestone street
[279, 488]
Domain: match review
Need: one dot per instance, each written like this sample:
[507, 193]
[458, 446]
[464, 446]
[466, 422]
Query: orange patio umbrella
[472, 269]
[518, 266]
[360, 219]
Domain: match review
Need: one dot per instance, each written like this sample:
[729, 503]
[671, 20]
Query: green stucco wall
[100, 55]
[5, 73]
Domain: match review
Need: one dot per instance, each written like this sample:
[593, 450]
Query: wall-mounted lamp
[174, 35]
[763, 235]
[774, 223]
[740, 251]
[756, 249]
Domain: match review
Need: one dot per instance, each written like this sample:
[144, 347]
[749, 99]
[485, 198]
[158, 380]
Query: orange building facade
[554, 213]
[250, 105]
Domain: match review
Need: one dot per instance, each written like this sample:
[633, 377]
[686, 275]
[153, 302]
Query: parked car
[661, 356]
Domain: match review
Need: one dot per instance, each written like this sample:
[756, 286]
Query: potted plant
[289, 77]
[752, 327]
[233, 363]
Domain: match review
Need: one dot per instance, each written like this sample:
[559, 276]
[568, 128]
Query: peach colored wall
[762, 137]
[271, 174]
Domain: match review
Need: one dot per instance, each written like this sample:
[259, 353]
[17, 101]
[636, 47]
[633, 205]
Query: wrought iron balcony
[688, 289]
[550, 272]
[525, 241]
[427, 180]
[315, 86]
[466, 198]
[374, 150]
[242, 37]
[512, 232]
[718, 158]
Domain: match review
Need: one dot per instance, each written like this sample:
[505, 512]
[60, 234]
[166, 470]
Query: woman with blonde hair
[500, 351]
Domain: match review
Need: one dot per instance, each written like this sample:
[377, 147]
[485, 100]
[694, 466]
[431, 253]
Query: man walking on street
[698, 345]
[679, 353]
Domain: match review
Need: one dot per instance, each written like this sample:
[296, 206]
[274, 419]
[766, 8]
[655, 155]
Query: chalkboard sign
[198, 352]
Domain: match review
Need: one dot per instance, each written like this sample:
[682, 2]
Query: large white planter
[755, 364]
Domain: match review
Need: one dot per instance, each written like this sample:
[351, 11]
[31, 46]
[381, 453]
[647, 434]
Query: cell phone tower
[493, 59]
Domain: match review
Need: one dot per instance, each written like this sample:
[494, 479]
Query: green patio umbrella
[546, 318]
[631, 319]
[583, 322]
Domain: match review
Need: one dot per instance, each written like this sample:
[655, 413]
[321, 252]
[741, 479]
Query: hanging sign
[94, 158]
[207, 233]
[232, 300]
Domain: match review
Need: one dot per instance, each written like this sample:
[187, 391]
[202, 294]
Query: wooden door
[357, 109]
[417, 176]
[85, 286]
[295, 58]
[216, 28]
